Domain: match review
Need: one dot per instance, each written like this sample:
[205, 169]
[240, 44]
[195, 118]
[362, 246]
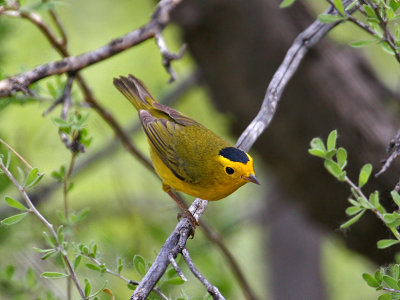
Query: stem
[66, 182]
[16, 154]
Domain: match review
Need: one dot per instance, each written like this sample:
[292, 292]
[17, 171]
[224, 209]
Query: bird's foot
[192, 220]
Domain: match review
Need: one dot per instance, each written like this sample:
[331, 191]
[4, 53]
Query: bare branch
[304, 41]
[176, 267]
[16, 154]
[168, 56]
[394, 148]
[159, 20]
[212, 290]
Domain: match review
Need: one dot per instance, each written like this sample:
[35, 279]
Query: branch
[294, 56]
[159, 20]
[212, 290]
[308, 38]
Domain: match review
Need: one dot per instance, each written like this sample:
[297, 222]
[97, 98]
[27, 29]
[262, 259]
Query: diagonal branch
[159, 20]
[305, 40]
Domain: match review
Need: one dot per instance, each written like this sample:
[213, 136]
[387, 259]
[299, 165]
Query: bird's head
[237, 166]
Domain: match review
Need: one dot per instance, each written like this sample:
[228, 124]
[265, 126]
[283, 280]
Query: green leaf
[49, 253]
[30, 278]
[391, 282]
[9, 272]
[395, 271]
[88, 287]
[382, 244]
[352, 210]
[330, 154]
[354, 202]
[386, 47]
[326, 18]
[374, 199]
[394, 4]
[140, 265]
[317, 143]
[13, 219]
[362, 43]
[396, 197]
[389, 218]
[32, 176]
[351, 5]
[371, 281]
[175, 281]
[317, 152]
[341, 156]
[332, 137]
[384, 297]
[93, 267]
[119, 265]
[370, 12]
[15, 204]
[77, 261]
[60, 234]
[365, 203]
[286, 3]
[53, 275]
[352, 220]
[339, 6]
[365, 172]
[333, 168]
[51, 241]
[80, 216]
[379, 275]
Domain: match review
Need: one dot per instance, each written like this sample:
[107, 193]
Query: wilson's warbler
[186, 155]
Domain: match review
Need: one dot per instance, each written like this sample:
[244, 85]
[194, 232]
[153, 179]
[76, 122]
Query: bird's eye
[229, 170]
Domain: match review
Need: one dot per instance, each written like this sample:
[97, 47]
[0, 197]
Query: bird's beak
[252, 178]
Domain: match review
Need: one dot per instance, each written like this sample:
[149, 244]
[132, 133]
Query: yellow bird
[187, 156]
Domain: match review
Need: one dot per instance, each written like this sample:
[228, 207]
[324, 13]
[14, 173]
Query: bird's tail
[135, 91]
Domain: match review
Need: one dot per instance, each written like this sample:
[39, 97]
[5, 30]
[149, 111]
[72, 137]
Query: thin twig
[176, 267]
[59, 25]
[168, 56]
[211, 289]
[16, 154]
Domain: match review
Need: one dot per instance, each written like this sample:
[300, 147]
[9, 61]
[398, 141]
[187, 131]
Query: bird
[187, 156]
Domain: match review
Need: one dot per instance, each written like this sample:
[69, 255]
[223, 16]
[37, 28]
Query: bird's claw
[192, 220]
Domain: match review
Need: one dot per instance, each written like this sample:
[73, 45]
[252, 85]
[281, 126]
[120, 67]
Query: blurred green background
[129, 212]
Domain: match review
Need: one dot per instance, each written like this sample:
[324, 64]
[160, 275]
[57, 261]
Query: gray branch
[303, 42]
[177, 240]
[159, 20]
[211, 289]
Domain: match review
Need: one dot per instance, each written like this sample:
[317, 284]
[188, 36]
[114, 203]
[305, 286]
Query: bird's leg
[186, 213]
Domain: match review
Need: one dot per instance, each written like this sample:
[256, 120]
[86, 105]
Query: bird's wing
[176, 115]
[162, 136]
